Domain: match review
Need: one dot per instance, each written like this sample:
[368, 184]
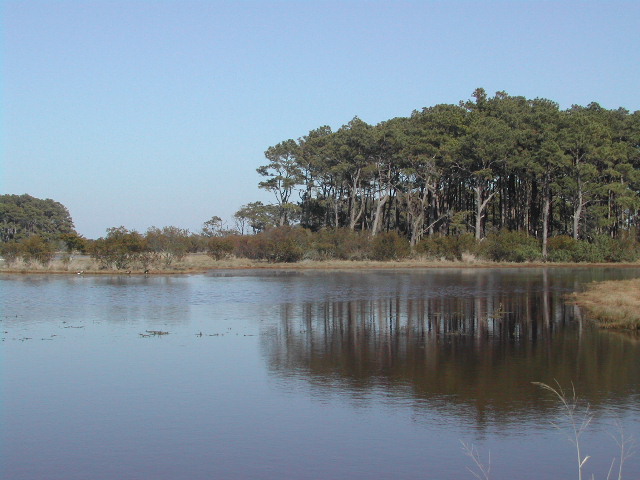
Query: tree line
[499, 178]
[481, 166]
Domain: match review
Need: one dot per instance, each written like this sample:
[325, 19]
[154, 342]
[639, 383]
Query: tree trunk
[481, 205]
[546, 207]
[376, 220]
[577, 212]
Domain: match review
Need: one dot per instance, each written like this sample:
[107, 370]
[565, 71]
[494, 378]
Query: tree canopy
[22, 216]
[483, 165]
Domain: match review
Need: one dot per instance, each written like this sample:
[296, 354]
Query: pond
[266, 374]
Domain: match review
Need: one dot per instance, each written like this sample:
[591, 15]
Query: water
[307, 375]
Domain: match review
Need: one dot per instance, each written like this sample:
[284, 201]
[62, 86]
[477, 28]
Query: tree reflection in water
[472, 352]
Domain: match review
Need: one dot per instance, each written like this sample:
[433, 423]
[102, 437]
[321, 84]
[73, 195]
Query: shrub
[562, 248]
[120, 248]
[168, 243]
[340, 244]
[74, 242]
[36, 248]
[623, 249]
[219, 247]
[389, 246]
[587, 252]
[511, 246]
[281, 244]
[448, 247]
[603, 248]
[10, 251]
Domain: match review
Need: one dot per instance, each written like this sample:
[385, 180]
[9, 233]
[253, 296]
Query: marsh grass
[612, 304]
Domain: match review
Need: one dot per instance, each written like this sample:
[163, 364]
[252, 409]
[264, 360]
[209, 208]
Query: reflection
[470, 346]
[102, 298]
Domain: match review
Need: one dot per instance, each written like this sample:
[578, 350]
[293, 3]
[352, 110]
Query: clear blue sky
[142, 113]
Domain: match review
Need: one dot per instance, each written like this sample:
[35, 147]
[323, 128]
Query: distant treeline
[22, 216]
[480, 166]
[164, 248]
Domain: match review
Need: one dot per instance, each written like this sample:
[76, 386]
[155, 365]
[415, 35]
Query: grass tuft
[612, 304]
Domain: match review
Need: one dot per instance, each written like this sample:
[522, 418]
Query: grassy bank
[612, 304]
[198, 263]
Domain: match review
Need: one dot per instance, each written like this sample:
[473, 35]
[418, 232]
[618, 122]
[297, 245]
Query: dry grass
[612, 304]
[200, 262]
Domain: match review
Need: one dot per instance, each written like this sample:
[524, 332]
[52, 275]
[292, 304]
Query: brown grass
[200, 262]
[612, 304]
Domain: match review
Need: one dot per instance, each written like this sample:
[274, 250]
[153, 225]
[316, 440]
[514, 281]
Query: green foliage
[339, 244]
[10, 251]
[389, 246]
[603, 248]
[74, 242]
[563, 248]
[219, 247]
[36, 249]
[283, 244]
[495, 162]
[257, 216]
[22, 216]
[622, 249]
[168, 243]
[448, 247]
[121, 248]
[511, 246]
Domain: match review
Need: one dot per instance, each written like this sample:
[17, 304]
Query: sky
[157, 113]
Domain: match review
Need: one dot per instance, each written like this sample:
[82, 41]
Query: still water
[307, 375]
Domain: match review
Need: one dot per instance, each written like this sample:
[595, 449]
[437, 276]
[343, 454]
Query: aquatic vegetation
[612, 304]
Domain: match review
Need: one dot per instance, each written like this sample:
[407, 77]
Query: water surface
[306, 375]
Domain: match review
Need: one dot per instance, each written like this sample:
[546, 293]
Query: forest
[484, 165]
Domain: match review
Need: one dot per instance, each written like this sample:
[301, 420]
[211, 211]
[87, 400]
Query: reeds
[573, 419]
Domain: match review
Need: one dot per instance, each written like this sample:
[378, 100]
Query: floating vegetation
[200, 334]
[153, 333]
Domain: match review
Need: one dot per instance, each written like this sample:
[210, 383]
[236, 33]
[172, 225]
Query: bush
[562, 248]
[282, 244]
[219, 247]
[120, 248]
[603, 249]
[511, 246]
[36, 248]
[74, 242]
[622, 249]
[447, 247]
[10, 251]
[339, 244]
[389, 246]
[168, 243]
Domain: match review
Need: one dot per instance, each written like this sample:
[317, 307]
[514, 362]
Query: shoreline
[609, 304]
[188, 268]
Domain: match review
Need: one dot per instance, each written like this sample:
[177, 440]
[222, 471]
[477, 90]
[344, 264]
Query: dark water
[307, 375]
